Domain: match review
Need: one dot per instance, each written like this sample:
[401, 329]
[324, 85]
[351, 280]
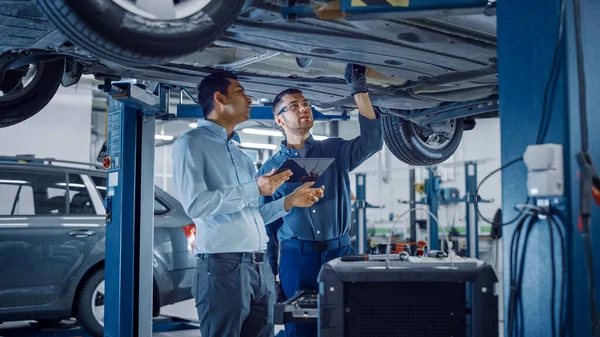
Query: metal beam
[194, 111]
[364, 9]
[453, 110]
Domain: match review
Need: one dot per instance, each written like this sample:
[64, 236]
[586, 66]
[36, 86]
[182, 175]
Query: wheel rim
[434, 141]
[98, 303]
[163, 9]
[23, 85]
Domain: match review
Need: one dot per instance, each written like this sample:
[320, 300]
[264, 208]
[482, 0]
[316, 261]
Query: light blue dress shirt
[215, 183]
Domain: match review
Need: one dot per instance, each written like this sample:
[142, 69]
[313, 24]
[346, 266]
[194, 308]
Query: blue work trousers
[298, 270]
[234, 297]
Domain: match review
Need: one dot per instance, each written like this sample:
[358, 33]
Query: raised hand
[268, 183]
[356, 78]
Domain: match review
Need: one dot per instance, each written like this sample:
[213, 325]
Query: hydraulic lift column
[538, 71]
[130, 218]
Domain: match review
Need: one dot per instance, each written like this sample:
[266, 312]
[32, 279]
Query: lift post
[537, 85]
[471, 217]
[129, 211]
[436, 196]
[359, 208]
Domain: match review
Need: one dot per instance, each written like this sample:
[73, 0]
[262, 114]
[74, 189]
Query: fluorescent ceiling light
[163, 137]
[193, 125]
[275, 133]
[71, 185]
[262, 132]
[20, 182]
[259, 146]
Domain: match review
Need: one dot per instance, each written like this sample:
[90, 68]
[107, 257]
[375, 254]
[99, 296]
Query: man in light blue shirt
[217, 185]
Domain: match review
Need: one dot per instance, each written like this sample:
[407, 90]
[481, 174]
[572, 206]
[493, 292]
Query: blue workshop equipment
[539, 89]
[435, 196]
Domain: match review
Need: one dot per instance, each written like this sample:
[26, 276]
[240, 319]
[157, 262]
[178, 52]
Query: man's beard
[295, 128]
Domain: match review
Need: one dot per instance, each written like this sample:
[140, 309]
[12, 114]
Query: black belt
[252, 257]
[316, 246]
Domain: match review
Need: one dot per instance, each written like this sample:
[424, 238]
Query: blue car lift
[436, 196]
[527, 32]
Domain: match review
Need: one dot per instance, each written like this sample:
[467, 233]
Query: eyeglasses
[294, 107]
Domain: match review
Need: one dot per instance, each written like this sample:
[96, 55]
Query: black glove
[356, 77]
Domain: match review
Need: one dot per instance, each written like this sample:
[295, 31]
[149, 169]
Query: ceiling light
[71, 185]
[320, 137]
[19, 182]
[163, 137]
[259, 146]
[262, 132]
[193, 125]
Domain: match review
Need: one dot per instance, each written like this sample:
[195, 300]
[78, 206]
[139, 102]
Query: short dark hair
[209, 86]
[277, 100]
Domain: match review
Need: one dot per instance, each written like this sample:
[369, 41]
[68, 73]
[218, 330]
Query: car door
[41, 243]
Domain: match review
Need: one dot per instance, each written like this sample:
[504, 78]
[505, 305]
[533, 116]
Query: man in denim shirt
[309, 237]
[218, 188]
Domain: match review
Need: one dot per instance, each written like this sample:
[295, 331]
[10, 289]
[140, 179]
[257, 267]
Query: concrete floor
[184, 310]
[187, 310]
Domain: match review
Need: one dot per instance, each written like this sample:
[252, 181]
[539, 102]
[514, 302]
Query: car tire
[107, 30]
[34, 96]
[83, 312]
[405, 143]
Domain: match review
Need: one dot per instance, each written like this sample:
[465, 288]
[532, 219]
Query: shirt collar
[218, 130]
[308, 143]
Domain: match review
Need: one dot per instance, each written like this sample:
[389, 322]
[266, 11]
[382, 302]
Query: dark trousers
[299, 268]
[234, 296]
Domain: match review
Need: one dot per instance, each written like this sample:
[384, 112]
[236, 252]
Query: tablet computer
[305, 169]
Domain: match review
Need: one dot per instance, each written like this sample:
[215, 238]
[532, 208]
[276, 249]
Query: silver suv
[52, 244]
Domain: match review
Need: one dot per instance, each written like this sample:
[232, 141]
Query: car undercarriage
[430, 78]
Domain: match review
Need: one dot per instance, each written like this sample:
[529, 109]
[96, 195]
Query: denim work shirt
[215, 183]
[330, 217]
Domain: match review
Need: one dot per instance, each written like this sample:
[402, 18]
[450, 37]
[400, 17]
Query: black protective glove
[356, 77]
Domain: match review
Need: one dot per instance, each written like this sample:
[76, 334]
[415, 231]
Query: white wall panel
[61, 130]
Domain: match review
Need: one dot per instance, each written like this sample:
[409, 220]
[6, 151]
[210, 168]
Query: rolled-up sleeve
[190, 184]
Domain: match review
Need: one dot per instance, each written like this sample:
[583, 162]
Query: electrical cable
[555, 221]
[518, 246]
[516, 160]
[512, 299]
[556, 60]
[581, 78]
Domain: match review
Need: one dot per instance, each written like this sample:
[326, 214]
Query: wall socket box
[545, 166]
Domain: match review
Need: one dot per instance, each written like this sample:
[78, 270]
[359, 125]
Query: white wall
[61, 130]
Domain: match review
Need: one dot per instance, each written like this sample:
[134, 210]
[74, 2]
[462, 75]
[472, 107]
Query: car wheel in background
[138, 32]
[89, 309]
[421, 145]
[26, 90]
